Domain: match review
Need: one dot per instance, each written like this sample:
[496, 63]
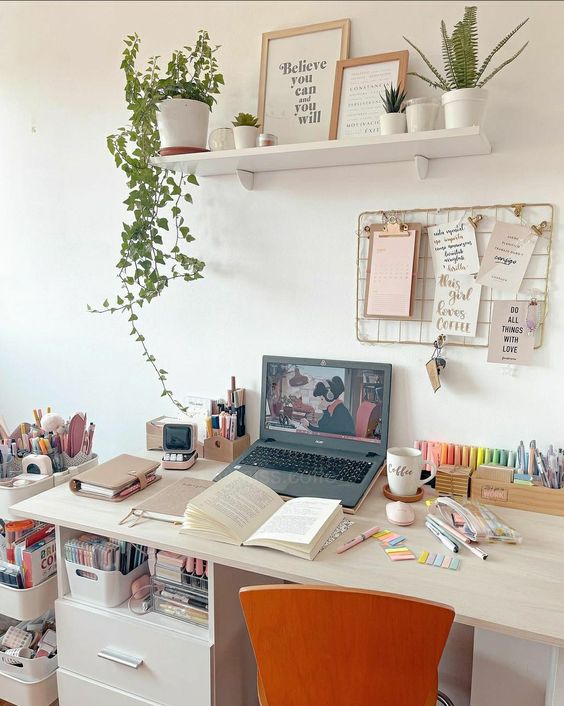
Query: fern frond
[448, 55]
[501, 66]
[465, 47]
[497, 48]
[443, 83]
[440, 86]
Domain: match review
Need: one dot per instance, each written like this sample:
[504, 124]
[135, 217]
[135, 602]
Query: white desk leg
[507, 670]
[555, 681]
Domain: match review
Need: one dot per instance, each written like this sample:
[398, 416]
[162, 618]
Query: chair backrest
[330, 646]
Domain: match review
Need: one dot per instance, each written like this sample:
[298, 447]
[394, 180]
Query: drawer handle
[126, 660]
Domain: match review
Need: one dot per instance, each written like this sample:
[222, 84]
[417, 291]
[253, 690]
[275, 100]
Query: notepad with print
[391, 272]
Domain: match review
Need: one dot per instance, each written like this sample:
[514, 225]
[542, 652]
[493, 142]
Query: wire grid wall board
[418, 328]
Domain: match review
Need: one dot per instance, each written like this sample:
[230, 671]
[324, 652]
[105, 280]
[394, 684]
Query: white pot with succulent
[393, 122]
[245, 131]
[464, 99]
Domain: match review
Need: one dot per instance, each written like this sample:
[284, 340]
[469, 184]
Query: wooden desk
[517, 591]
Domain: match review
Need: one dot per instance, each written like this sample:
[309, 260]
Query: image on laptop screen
[337, 402]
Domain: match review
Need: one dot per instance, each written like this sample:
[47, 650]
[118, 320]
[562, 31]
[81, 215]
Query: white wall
[280, 274]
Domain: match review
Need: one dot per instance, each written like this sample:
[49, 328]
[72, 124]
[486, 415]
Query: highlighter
[487, 455]
[424, 456]
[503, 457]
[473, 458]
[495, 456]
[465, 455]
[444, 454]
[450, 454]
[457, 455]
[480, 457]
[511, 459]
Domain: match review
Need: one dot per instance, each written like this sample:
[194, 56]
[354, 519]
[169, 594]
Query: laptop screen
[336, 403]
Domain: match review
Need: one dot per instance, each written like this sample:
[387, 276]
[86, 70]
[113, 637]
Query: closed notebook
[116, 479]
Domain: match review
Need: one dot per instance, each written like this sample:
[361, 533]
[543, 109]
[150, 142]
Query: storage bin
[28, 603]
[11, 496]
[24, 693]
[27, 669]
[103, 588]
[66, 475]
[179, 601]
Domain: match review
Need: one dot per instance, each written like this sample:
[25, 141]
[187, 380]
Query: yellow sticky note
[397, 550]
[423, 558]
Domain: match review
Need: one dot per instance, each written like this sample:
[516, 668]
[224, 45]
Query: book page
[298, 521]
[239, 503]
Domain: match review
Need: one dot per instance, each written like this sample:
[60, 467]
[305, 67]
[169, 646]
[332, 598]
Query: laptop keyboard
[308, 464]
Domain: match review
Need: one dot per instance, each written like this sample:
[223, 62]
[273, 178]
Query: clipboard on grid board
[391, 275]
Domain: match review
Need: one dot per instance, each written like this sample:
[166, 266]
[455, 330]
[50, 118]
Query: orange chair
[330, 646]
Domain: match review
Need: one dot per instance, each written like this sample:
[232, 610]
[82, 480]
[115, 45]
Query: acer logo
[317, 441]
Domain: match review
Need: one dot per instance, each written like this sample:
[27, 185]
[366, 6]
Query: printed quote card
[509, 341]
[456, 305]
[507, 256]
[453, 248]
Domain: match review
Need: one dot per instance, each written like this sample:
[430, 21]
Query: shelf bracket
[246, 179]
[421, 166]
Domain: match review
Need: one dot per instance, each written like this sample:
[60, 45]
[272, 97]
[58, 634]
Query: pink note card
[390, 276]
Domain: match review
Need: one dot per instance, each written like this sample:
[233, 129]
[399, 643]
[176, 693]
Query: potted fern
[464, 99]
[392, 122]
[245, 130]
[186, 94]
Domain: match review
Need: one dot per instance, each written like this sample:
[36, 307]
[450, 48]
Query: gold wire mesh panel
[418, 328]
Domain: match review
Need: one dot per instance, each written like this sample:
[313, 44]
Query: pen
[532, 450]
[357, 540]
[449, 544]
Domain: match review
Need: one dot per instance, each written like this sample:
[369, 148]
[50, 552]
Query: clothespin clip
[474, 220]
[517, 209]
[539, 230]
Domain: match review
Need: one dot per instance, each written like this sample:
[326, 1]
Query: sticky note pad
[438, 560]
[399, 553]
[446, 562]
[423, 558]
[431, 558]
[455, 563]
[396, 540]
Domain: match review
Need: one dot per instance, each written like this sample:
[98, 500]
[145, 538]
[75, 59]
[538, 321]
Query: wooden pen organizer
[535, 498]
[218, 448]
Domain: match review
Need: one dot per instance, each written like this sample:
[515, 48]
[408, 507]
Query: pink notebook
[391, 274]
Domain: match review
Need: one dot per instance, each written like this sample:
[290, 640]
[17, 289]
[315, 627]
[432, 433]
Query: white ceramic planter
[464, 107]
[245, 136]
[392, 123]
[183, 123]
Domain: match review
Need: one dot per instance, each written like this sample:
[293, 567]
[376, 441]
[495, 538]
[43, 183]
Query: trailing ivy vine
[154, 242]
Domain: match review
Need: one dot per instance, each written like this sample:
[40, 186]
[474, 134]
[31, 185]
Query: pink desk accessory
[357, 540]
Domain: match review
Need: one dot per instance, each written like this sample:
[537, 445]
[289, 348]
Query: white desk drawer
[75, 690]
[133, 655]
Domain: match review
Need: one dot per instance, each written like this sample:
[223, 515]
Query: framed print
[297, 76]
[357, 105]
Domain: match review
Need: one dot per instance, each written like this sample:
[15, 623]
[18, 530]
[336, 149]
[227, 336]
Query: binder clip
[436, 363]
[474, 220]
[539, 230]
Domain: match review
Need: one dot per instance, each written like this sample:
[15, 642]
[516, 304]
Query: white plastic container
[464, 107]
[421, 114]
[24, 693]
[392, 123]
[11, 496]
[65, 476]
[245, 136]
[28, 669]
[183, 123]
[104, 588]
[28, 603]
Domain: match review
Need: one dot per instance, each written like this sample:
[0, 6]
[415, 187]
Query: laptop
[323, 428]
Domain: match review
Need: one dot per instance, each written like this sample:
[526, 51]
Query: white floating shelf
[417, 147]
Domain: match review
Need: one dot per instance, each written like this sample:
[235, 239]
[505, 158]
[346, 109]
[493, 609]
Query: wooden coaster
[404, 498]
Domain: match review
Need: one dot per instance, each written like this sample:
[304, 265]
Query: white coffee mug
[404, 470]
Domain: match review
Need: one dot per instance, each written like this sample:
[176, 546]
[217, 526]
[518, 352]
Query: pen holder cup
[217, 448]
[104, 588]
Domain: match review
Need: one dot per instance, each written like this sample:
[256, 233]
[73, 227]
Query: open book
[241, 510]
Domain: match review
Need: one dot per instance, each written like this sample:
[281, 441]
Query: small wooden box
[154, 429]
[217, 448]
[453, 480]
[535, 498]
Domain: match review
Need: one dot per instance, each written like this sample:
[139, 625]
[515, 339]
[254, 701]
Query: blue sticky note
[397, 540]
[439, 560]
[454, 563]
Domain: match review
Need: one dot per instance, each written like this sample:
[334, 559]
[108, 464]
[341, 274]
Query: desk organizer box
[11, 496]
[30, 670]
[533, 498]
[103, 588]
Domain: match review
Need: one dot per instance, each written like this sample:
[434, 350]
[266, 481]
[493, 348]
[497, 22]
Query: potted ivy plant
[392, 122]
[186, 96]
[464, 98]
[155, 240]
[245, 130]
